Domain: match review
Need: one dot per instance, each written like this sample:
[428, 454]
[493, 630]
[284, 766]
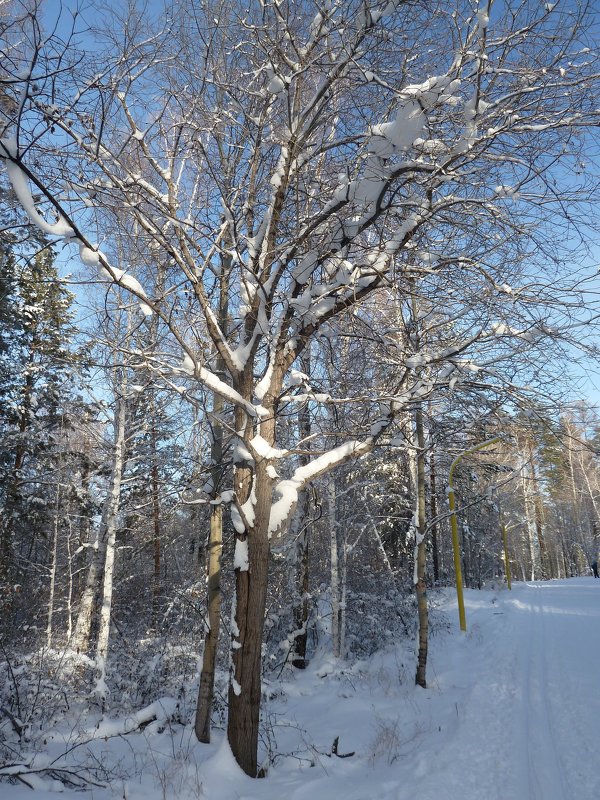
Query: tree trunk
[248, 622]
[215, 540]
[521, 561]
[300, 610]
[103, 561]
[109, 524]
[302, 536]
[84, 524]
[54, 557]
[90, 596]
[156, 583]
[546, 570]
[575, 493]
[434, 525]
[343, 593]
[335, 567]
[70, 584]
[530, 525]
[421, 554]
[209, 656]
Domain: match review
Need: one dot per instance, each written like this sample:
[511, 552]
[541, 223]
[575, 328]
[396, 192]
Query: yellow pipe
[454, 528]
[457, 569]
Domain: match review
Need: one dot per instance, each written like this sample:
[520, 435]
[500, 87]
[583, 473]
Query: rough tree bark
[251, 581]
[90, 596]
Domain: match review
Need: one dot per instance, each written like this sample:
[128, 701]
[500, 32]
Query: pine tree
[38, 367]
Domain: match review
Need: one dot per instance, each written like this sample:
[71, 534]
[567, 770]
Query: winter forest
[298, 301]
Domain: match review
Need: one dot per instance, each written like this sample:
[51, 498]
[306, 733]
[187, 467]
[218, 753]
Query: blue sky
[586, 373]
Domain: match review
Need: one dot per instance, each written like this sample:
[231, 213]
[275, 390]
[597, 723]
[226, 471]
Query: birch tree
[361, 134]
[108, 534]
[94, 613]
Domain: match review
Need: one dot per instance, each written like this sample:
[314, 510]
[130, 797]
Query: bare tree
[370, 143]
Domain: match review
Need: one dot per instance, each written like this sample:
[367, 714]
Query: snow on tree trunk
[251, 580]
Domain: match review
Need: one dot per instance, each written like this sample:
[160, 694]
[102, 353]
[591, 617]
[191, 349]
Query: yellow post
[457, 569]
[506, 558]
[454, 528]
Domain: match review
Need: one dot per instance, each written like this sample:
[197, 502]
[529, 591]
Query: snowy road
[560, 705]
[528, 727]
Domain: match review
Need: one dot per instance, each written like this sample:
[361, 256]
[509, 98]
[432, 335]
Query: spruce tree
[38, 382]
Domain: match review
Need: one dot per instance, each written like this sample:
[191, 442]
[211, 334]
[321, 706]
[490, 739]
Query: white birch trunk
[83, 625]
[530, 522]
[109, 525]
[343, 596]
[70, 586]
[521, 562]
[585, 474]
[335, 576]
[53, 569]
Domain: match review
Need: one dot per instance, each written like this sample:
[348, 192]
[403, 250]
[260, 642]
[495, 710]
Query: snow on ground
[510, 713]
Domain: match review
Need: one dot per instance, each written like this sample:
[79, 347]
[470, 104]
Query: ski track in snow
[545, 771]
[535, 736]
[562, 703]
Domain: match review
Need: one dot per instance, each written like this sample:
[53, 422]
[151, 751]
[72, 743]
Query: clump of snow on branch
[62, 229]
[18, 180]
[288, 489]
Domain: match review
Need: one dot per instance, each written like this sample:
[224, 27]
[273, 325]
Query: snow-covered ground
[510, 713]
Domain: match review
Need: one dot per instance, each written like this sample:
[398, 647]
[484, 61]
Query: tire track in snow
[545, 770]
